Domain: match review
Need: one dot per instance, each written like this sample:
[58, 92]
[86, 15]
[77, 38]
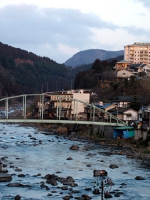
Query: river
[38, 154]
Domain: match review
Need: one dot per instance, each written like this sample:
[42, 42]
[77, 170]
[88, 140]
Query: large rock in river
[4, 177]
[139, 178]
[14, 185]
[113, 166]
[74, 147]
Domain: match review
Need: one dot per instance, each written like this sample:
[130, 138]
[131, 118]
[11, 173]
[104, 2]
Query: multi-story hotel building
[138, 52]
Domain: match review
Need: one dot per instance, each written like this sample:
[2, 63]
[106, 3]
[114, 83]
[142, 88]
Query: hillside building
[69, 102]
[123, 74]
[137, 53]
[123, 64]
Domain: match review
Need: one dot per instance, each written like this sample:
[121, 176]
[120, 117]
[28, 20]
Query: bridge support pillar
[6, 108]
[24, 107]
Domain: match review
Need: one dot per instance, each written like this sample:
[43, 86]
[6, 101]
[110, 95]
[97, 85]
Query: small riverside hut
[123, 132]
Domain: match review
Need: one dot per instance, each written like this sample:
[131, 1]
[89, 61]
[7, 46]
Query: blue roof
[144, 107]
[104, 106]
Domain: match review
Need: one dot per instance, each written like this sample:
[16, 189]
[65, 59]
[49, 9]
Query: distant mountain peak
[90, 55]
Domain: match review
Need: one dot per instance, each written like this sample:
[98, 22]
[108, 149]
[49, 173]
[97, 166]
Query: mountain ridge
[90, 55]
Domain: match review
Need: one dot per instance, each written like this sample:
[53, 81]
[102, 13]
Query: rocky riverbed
[38, 164]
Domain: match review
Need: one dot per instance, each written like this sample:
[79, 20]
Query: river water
[35, 153]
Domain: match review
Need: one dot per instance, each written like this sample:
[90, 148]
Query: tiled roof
[118, 110]
[133, 66]
[123, 61]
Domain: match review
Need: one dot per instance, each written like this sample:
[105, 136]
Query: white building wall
[124, 74]
[133, 116]
[81, 95]
[123, 104]
[67, 102]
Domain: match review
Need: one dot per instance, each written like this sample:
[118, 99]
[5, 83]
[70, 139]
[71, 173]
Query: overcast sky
[60, 28]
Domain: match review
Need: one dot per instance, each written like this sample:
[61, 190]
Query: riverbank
[41, 163]
[129, 147]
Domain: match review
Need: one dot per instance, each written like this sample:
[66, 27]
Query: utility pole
[56, 85]
[117, 115]
[42, 88]
[47, 86]
[71, 85]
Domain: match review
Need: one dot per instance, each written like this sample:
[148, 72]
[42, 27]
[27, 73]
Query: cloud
[146, 3]
[57, 32]
[31, 25]
[67, 49]
[136, 31]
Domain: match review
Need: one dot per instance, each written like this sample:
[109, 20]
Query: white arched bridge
[53, 108]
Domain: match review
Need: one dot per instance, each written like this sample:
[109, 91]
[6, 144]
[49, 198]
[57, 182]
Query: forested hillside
[24, 72]
[97, 71]
[101, 79]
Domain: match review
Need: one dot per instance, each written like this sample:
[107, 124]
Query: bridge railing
[92, 114]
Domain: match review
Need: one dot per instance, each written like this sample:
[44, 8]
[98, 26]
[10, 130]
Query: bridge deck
[58, 121]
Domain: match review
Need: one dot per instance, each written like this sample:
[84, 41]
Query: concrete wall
[140, 134]
[106, 131]
[124, 74]
[80, 95]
